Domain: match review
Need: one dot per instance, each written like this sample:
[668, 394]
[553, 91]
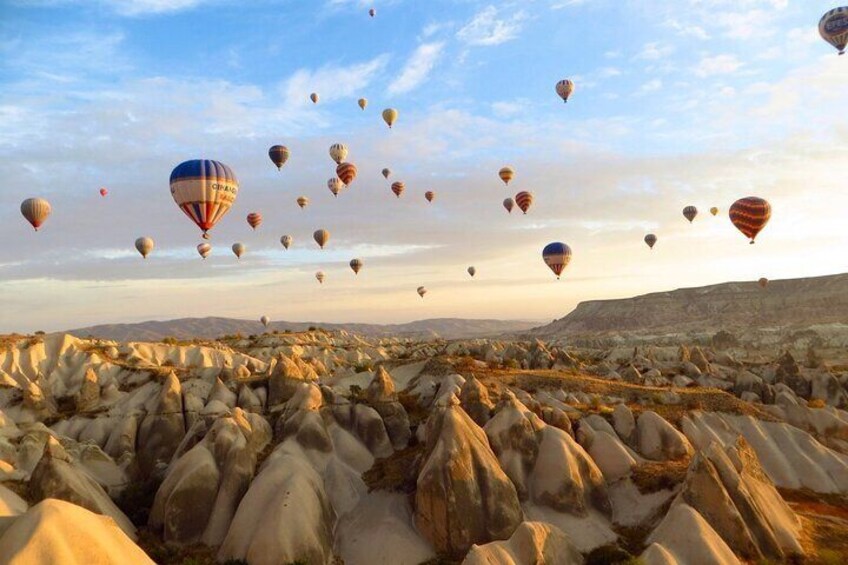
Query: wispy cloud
[717, 65]
[488, 27]
[655, 50]
[325, 81]
[126, 7]
[417, 68]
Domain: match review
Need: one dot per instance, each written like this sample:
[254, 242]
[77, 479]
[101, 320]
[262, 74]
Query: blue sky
[677, 102]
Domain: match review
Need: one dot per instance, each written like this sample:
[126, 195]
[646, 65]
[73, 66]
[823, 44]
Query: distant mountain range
[739, 306]
[211, 328]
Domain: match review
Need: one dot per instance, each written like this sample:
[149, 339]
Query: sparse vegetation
[652, 477]
[396, 473]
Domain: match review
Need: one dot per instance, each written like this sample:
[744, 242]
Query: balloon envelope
[346, 172]
[204, 249]
[144, 245]
[314, 97]
[714, 211]
[286, 240]
[472, 271]
[36, 211]
[335, 185]
[509, 203]
[279, 154]
[254, 219]
[564, 88]
[398, 187]
[557, 256]
[356, 265]
[363, 102]
[524, 200]
[338, 152]
[390, 116]
[204, 190]
[750, 215]
[239, 249]
[689, 213]
[763, 282]
[429, 195]
[421, 291]
[321, 237]
[833, 27]
[302, 201]
[651, 240]
[320, 276]
[386, 173]
[506, 174]
[265, 321]
[103, 192]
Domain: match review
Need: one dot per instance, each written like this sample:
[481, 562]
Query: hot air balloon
[833, 27]
[265, 320]
[103, 192]
[254, 219]
[689, 213]
[286, 240]
[372, 12]
[714, 211]
[204, 249]
[346, 172]
[651, 240]
[398, 187]
[36, 211]
[144, 245]
[506, 174]
[363, 102]
[509, 203]
[302, 201]
[239, 249]
[763, 282]
[335, 185]
[557, 255]
[279, 154]
[750, 215]
[524, 200]
[338, 152]
[429, 195]
[421, 291]
[564, 88]
[204, 190]
[314, 97]
[389, 116]
[320, 276]
[387, 173]
[356, 265]
[321, 237]
[472, 271]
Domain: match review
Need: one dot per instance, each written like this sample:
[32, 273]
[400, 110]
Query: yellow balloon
[389, 116]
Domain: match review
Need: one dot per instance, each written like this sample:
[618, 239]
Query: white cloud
[325, 81]
[417, 68]
[717, 65]
[651, 86]
[487, 28]
[655, 50]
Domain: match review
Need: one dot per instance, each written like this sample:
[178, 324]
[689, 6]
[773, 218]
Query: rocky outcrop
[200, 494]
[56, 476]
[55, 531]
[683, 538]
[531, 544]
[658, 440]
[475, 400]
[731, 492]
[382, 397]
[285, 517]
[463, 497]
[545, 463]
[162, 428]
[285, 378]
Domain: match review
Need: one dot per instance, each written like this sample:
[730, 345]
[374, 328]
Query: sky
[677, 102]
